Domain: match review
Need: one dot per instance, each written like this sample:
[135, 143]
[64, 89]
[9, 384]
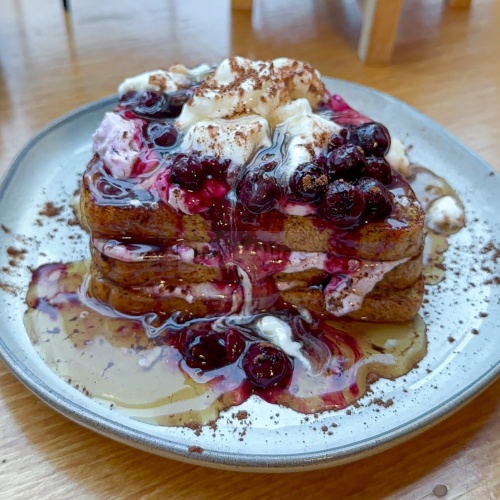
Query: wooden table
[445, 64]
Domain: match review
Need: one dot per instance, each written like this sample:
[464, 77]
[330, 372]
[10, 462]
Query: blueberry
[373, 138]
[188, 172]
[215, 167]
[377, 198]
[266, 366]
[346, 162]
[157, 105]
[308, 182]
[205, 350]
[379, 169]
[337, 140]
[150, 104]
[163, 135]
[342, 205]
[257, 191]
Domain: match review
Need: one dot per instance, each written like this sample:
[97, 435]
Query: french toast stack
[290, 206]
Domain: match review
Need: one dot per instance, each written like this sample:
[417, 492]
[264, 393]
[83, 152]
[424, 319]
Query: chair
[379, 29]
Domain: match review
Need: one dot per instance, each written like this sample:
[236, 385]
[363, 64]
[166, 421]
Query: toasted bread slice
[197, 299]
[129, 211]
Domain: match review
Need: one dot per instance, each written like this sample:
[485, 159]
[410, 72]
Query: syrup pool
[111, 359]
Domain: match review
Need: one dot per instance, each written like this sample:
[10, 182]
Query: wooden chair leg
[378, 33]
[241, 4]
[459, 4]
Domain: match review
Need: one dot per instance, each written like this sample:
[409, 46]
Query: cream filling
[342, 296]
[246, 285]
[347, 295]
[301, 261]
[124, 253]
[283, 286]
[115, 142]
[191, 292]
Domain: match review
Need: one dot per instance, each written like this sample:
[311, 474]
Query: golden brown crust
[151, 271]
[147, 222]
[136, 300]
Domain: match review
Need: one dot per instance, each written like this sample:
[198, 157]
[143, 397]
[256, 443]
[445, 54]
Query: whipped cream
[234, 112]
[346, 295]
[234, 139]
[242, 86]
[397, 159]
[445, 213]
[308, 135]
[175, 78]
[280, 334]
[117, 142]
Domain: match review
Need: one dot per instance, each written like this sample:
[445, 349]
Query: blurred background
[52, 62]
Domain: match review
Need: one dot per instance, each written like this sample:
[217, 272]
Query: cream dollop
[116, 142]
[397, 159]
[445, 213]
[242, 86]
[175, 78]
[234, 139]
[308, 135]
[280, 334]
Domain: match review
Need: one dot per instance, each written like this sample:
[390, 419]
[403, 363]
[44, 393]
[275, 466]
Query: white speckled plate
[48, 168]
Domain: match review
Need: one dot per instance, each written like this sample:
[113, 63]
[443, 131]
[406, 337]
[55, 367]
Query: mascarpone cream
[117, 142]
[175, 78]
[445, 213]
[241, 86]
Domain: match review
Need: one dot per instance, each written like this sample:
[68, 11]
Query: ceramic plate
[462, 313]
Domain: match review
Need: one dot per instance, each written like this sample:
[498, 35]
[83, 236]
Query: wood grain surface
[446, 64]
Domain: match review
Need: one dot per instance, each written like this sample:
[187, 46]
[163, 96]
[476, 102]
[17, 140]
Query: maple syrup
[114, 359]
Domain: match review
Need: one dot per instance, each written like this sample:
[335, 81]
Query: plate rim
[329, 456]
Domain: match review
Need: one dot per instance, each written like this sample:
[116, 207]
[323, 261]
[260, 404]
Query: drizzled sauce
[111, 358]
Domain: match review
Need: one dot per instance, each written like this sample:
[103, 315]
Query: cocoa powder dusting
[50, 210]
[381, 402]
[242, 415]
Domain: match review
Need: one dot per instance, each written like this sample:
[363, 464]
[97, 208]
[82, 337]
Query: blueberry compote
[176, 369]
